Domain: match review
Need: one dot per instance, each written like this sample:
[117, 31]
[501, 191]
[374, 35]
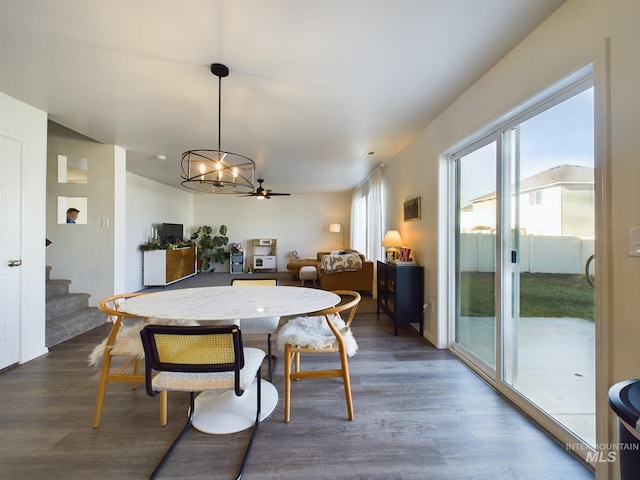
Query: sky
[562, 135]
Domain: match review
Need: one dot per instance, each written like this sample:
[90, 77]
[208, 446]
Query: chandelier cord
[219, 110]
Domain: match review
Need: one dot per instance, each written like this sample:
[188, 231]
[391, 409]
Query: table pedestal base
[222, 413]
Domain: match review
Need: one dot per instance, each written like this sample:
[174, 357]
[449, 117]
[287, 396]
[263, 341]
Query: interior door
[10, 255]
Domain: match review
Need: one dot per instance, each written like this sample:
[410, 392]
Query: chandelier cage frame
[218, 171]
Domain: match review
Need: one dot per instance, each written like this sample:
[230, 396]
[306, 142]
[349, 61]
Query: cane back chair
[196, 359]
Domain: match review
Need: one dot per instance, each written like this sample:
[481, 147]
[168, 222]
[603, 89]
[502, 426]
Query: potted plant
[155, 244]
[211, 245]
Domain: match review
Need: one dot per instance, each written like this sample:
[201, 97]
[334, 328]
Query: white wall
[84, 253]
[29, 125]
[573, 36]
[148, 205]
[298, 222]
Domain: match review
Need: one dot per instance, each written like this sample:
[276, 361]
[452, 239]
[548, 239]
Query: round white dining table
[221, 413]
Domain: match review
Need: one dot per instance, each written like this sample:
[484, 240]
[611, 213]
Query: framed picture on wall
[412, 209]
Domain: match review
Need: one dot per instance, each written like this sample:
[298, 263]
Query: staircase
[68, 314]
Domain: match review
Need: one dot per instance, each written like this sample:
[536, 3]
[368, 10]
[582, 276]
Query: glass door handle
[587, 273]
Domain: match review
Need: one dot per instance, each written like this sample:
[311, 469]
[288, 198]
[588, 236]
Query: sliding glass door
[524, 233]
[551, 346]
[475, 328]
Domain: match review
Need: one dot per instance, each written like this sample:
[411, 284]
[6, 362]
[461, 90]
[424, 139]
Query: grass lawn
[541, 295]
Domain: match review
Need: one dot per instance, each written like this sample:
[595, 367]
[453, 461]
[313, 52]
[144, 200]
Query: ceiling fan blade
[264, 192]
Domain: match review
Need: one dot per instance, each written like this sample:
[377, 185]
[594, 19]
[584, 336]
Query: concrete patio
[555, 365]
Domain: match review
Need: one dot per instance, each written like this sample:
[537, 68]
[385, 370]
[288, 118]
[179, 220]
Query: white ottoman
[308, 273]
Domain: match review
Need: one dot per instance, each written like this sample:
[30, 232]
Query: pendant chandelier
[218, 171]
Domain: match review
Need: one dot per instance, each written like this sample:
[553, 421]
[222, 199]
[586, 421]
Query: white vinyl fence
[537, 254]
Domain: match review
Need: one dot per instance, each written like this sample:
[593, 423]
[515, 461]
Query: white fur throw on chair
[128, 342]
[314, 333]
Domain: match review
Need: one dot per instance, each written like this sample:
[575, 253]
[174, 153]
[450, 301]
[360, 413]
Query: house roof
[560, 175]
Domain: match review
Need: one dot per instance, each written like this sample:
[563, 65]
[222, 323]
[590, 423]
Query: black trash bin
[624, 400]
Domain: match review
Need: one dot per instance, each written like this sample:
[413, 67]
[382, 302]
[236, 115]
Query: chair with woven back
[324, 331]
[268, 325]
[197, 359]
[124, 346]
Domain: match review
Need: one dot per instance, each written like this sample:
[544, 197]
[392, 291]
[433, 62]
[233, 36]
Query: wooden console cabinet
[162, 267]
[401, 293]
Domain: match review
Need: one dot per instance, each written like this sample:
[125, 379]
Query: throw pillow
[350, 262]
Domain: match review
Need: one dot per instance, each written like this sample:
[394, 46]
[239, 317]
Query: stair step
[56, 288]
[62, 305]
[66, 326]
[67, 314]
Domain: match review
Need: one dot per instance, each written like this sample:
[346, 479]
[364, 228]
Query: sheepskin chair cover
[128, 342]
[313, 332]
[199, 382]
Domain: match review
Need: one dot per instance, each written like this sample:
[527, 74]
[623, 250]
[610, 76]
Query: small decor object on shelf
[236, 247]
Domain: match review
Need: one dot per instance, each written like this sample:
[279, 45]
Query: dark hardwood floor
[419, 414]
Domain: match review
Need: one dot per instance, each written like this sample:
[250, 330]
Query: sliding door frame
[594, 74]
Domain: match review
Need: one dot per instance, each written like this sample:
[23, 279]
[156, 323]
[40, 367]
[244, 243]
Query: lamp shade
[335, 227]
[392, 239]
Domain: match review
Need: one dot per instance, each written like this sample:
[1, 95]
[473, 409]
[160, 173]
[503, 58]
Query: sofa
[360, 280]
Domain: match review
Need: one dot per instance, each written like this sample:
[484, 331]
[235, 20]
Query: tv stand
[163, 267]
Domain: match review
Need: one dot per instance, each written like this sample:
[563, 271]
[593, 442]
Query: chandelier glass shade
[218, 171]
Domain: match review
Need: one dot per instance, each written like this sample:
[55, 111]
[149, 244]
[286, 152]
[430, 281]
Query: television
[172, 232]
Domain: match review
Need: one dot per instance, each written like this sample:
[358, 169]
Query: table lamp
[392, 241]
[337, 228]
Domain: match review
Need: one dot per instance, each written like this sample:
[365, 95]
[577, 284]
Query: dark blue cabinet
[401, 293]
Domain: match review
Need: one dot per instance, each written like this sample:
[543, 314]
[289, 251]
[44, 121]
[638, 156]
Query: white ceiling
[313, 85]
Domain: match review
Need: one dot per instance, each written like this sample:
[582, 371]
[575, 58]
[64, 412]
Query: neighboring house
[555, 202]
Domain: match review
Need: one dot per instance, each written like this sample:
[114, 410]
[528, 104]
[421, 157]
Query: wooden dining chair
[197, 359]
[268, 325]
[320, 332]
[123, 345]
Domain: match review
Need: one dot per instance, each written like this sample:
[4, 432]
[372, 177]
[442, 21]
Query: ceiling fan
[262, 192]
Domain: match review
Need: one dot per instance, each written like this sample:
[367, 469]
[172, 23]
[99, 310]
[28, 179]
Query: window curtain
[366, 217]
